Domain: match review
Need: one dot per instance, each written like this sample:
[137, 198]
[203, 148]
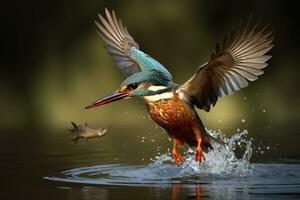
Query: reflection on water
[196, 192]
[48, 166]
[273, 180]
[222, 175]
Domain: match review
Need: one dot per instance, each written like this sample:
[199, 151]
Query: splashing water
[221, 162]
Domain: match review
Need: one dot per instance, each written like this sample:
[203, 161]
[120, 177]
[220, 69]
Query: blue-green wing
[122, 47]
[147, 63]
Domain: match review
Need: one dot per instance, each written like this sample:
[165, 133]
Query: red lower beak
[108, 99]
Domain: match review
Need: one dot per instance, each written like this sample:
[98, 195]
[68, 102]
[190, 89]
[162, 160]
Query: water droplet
[190, 150]
[264, 110]
[220, 160]
[268, 147]
[243, 120]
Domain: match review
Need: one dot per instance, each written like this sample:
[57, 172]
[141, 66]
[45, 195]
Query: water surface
[139, 166]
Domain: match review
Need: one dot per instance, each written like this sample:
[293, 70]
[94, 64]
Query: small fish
[86, 132]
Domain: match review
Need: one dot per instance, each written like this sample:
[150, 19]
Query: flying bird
[236, 61]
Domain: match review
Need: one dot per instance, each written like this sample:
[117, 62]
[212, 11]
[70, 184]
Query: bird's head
[141, 84]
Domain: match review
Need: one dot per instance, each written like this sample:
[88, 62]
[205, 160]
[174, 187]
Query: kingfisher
[237, 60]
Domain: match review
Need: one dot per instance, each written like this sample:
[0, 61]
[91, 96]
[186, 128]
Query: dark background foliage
[53, 64]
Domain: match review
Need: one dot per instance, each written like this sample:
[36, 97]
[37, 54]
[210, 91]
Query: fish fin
[74, 125]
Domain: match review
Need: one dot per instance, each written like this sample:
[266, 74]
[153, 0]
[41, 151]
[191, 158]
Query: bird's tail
[208, 140]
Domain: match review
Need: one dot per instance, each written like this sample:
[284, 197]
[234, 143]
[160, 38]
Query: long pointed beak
[108, 99]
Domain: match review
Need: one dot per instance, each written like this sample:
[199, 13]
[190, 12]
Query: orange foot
[177, 157]
[199, 155]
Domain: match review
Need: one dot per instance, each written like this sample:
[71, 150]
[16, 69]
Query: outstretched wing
[122, 47]
[236, 61]
[118, 42]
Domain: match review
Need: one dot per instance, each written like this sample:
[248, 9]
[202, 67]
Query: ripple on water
[221, 168]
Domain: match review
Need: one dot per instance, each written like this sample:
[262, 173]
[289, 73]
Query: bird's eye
[132, 86]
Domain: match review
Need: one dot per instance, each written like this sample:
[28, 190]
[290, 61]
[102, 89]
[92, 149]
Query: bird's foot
[199, 155]
[177, 157]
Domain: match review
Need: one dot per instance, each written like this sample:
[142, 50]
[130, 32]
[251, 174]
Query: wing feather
[240, 58]
[118, 42]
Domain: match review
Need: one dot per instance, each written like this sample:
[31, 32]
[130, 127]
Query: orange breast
[176, 117]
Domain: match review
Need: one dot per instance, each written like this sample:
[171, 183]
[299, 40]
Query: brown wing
[118, 41]
[236, 61]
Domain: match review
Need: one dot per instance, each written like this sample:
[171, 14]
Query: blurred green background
[53, 64]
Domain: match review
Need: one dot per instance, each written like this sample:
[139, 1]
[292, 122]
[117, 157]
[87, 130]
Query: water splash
[221, 162]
